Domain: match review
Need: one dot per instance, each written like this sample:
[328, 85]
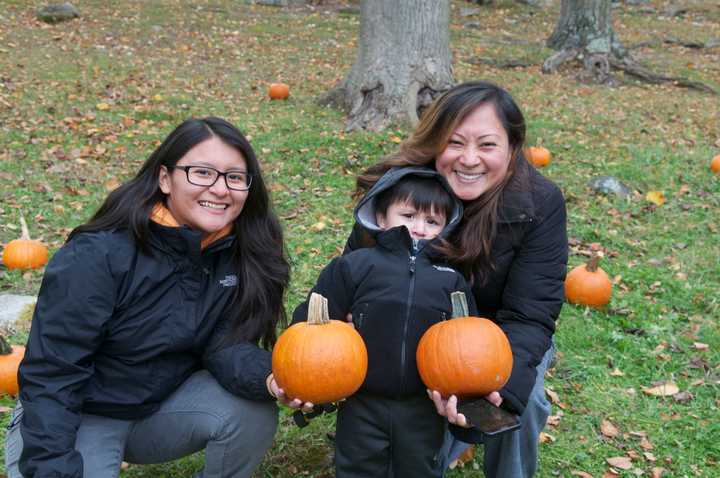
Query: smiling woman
[511, 243]
[151, 332]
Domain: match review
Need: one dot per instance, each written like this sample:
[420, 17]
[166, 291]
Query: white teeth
[213, 205]
[469, 177]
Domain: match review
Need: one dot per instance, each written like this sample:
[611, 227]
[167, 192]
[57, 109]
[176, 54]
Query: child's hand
[277, 392]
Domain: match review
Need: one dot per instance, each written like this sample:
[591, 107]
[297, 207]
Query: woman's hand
[277, 392]
[448, 408]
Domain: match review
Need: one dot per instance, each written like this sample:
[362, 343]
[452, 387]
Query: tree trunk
[403, 62]
[584, 32]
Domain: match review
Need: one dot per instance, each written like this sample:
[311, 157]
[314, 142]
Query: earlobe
[380, 219]
[164, 180]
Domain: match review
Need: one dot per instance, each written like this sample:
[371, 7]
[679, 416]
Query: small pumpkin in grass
[10, 358]
[538, 156]
[715, 164]
[321, 360]
[279, 91]
[587, 284]
[466, 356]
[25, 253]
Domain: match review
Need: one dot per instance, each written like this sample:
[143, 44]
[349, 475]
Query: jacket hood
[365, 210]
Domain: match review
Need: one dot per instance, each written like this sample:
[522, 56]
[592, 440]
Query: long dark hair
[258, 249]
[474, 237]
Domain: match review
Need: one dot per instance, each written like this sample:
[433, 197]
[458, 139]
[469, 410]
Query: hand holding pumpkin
[277, 392]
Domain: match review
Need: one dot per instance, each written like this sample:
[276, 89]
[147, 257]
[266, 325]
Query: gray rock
[11, 306]
[57, 13]
[609, 185]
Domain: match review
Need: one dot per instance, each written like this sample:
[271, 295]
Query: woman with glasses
[151, 332]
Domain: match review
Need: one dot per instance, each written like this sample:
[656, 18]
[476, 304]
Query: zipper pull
[412, 264]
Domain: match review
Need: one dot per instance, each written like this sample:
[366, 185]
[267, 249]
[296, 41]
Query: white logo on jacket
[229, 281]
[445, 269]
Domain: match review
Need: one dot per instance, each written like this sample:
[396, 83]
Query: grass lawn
[83, 103]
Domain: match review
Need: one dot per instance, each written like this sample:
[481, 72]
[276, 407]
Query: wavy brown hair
[473, 239]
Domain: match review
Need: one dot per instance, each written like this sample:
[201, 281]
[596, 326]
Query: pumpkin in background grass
[715, 164]
[25, 253]
[321, 360]
[465, 356]
[538, 156]
[10, 358]
[587, 284]
[279, 91]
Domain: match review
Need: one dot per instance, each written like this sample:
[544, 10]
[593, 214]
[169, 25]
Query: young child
[395, 291]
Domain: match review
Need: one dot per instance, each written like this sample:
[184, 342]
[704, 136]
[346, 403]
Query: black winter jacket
[116, 331]
[395, 292]
[525, 291]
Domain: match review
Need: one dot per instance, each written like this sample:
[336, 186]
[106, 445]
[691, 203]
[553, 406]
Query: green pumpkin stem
[318, 310]
[5, 347]
[459, 304]
[592, 264]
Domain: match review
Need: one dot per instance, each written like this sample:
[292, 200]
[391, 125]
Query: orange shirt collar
[163, 216]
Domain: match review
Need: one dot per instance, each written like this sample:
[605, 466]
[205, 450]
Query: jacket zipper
[408, 307]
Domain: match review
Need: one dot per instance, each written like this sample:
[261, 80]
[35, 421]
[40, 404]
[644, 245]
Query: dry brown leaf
[658, 472]
[617, 373]
[608, 429]
[645, 444]
[554, 397]
[581, 474]
[546, 438]
[700, 346]
[318, 226]
[663, 390]
[622, 462]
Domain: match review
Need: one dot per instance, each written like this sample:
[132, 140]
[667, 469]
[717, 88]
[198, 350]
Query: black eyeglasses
[206, 176]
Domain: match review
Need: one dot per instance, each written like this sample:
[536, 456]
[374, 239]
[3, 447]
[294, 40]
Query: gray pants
[514, 454]
[234, 432]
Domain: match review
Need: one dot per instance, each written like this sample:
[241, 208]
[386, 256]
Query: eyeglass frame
[186, 168]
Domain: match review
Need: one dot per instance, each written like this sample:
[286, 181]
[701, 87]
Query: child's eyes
[407, 215]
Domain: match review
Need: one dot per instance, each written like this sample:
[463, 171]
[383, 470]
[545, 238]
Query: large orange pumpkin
[538, 156]
[278, 91]
[588, 284]
[715, 164]
[10, 358]
[466, 356]
[25, 253]
[321, 360]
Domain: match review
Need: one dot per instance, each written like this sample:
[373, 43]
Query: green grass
[155, 63]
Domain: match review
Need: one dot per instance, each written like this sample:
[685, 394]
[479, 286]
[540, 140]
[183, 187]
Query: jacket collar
[162, 215]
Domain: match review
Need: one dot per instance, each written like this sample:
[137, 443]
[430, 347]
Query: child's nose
[418, 228]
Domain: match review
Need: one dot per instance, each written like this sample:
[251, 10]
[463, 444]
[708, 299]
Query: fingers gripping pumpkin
[321, 360]
[465, 356]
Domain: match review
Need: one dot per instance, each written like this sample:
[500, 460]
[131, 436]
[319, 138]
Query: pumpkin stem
[592, 264]
[25, 232]
[5, 347]
[459, 304]
[318, 310]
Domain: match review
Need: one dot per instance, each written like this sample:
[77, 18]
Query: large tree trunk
[584, 32]
[403, 62]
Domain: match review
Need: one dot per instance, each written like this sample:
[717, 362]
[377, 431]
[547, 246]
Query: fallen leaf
[318, 226]
[102, 106]
[581, 474]
[700, 346]
[617, 373]
[658, 472]
[546, 438]
[622, 462]
[655, 197]
[663, 390]
[608, 429]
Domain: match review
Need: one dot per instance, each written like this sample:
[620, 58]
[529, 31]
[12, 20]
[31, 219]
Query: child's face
[421, 225]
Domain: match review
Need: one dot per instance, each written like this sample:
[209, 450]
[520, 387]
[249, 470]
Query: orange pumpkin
[321, 360]
[538, 156]
[25, 253]
[10, 358]
[588, 284]
[279, 91]
[466, 356]
[715, 164]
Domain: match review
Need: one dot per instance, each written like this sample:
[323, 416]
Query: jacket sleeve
[75, 301]
[533, 296]
[241, 368]
[336, 285]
